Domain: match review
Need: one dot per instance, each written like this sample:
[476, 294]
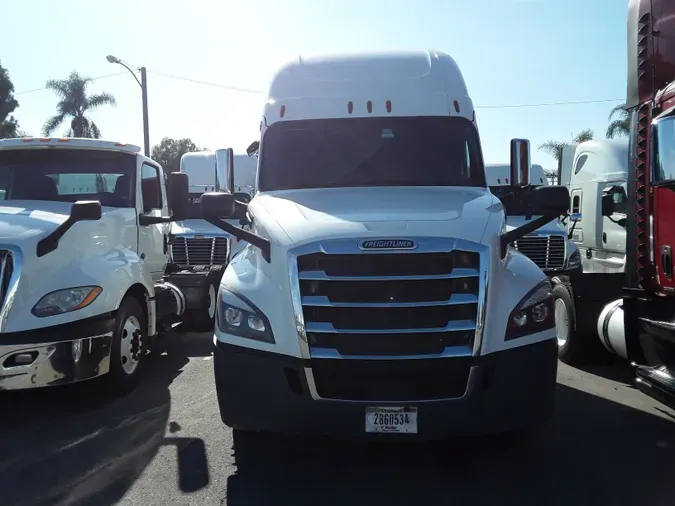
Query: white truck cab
[194, 241]
[86, 284]
[548, 246]
[378, 294]
[596, 174]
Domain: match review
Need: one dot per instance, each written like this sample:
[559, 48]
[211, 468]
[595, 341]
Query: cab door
[153, 239]
[663, 199]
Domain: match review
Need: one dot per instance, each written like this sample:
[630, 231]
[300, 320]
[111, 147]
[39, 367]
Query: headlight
[65, 301]
[575, 260]
[533, 313]
[242, 318]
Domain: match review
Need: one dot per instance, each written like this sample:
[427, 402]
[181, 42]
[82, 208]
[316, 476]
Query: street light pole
[143, 83]
[144, 93]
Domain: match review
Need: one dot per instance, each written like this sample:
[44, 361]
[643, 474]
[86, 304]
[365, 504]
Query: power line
[258, 92]
[215, 85]
[93, 79]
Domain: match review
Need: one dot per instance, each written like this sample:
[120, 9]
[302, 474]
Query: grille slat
[548, 252]
[199, 251]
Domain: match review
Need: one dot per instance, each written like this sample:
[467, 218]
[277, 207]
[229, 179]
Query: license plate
[391, 420]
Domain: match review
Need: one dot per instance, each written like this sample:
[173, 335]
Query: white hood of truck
[195, 227]
[20, 223]
[308, 215]
[552, 227]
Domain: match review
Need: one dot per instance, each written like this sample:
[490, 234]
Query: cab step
[657, 382]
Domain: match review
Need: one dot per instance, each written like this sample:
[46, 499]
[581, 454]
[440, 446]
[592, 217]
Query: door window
[151, 188]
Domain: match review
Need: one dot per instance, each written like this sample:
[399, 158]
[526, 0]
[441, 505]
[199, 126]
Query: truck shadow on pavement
[75, 445]
[594, 451]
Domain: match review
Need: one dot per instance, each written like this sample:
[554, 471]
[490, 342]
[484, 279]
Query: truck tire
[129, 346]
[203, 319]
[564, 321]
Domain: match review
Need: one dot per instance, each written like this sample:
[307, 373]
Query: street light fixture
[143, 83]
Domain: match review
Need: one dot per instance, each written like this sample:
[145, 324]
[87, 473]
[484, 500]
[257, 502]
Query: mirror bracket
[260, 242]
[144, 220]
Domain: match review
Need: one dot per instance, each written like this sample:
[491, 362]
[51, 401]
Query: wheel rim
[562, 324]
[212, 301]
[131, 345]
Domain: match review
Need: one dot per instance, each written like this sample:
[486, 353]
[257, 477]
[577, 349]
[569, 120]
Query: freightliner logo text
[387, 244]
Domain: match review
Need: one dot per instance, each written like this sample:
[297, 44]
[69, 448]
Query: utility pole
[144, 93]
[143, 83]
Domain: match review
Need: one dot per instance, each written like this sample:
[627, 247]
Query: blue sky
[512, 52]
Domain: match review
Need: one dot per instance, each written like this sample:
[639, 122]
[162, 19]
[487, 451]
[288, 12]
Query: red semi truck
[648, 301]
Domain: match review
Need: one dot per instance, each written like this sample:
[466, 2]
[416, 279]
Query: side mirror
[225, 168]
[178, 195]
[85, 210]
[607, 204]
[547, 200]
[253, 148]
[520, 163]
[215, 205]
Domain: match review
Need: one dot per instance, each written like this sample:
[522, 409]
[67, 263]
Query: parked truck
[639, 325]
[597, 168]
[85, 283]
[379, 293]
[548, 246]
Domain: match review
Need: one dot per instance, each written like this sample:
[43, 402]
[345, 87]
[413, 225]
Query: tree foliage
[169, 151]
[73, 104]
[9, 126]
[555, 148]
[619, 122]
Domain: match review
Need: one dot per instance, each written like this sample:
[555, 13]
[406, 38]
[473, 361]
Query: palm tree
[619, 127]
[555, 148]
[73, 104]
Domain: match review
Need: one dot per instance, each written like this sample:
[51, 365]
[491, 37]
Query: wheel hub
[561, 322]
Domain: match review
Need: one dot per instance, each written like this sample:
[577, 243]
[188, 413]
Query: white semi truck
[548, 246]
[85, 282]
[197, 244]
[378, 293]
[596, 173]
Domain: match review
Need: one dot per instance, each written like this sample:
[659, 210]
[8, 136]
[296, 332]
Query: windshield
[353, 152]
[67, 175]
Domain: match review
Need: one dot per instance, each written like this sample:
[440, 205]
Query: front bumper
[269, 392]
[56, 355]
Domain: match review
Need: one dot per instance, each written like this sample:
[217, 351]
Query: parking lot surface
[164, 444]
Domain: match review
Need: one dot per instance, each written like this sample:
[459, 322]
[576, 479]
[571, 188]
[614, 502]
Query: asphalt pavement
[164, 444]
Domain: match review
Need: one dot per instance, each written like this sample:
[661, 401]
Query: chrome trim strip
[17, 268]
[296, 300]
[471, 383]
[455, 299]
[448, 352]
[452, 326]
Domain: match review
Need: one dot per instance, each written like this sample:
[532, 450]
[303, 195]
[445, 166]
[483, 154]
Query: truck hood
[315, 214]
[196, 227]
[22, 222]
[552, 227]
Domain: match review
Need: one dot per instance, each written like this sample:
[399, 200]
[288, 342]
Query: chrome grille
[393, 304]
[548, 252]
[199, 251]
